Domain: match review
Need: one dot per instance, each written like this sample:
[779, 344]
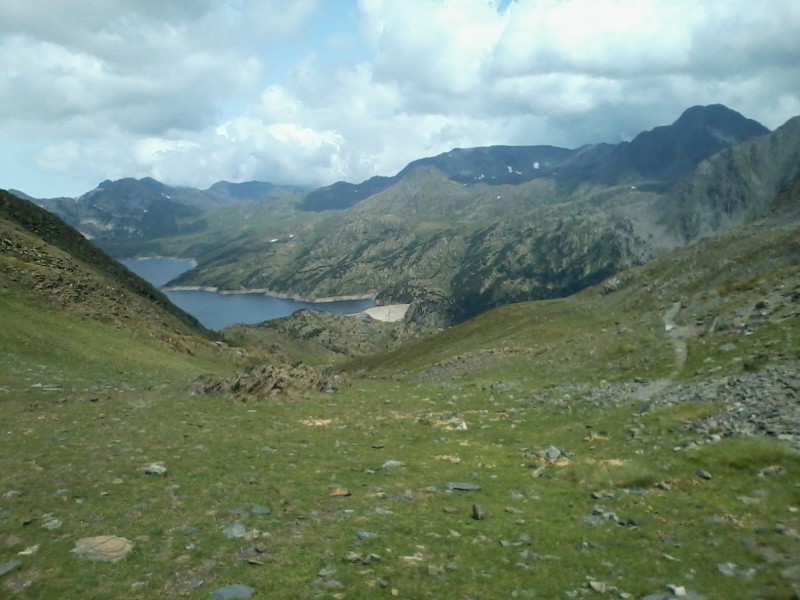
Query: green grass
[45, 345]
[224, 457]
[538, 344]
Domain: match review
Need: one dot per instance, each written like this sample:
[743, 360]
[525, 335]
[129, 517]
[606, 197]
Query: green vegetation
[82, 461]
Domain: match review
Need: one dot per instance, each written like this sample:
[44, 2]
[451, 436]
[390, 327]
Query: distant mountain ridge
[140, 209]
[662, 155]
[473, 229]
[456, 249]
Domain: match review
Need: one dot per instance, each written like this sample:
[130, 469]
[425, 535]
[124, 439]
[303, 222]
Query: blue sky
[315, 91]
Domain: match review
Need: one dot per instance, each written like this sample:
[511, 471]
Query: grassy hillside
[75, 319]
[639, 435]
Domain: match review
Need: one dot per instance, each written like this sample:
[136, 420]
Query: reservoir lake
[217, 311]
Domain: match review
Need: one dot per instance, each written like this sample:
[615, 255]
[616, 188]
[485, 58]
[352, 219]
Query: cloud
[311, 91]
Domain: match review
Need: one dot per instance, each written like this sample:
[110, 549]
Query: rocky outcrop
[350, 336]
[264, 381]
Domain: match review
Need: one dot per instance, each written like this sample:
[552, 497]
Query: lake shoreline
[191, 261]
[218, 308]
[266, 292]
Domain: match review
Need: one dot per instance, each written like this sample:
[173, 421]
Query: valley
[594, 392]
[473, 229]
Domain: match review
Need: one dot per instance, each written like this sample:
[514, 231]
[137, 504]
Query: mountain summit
[674, 150]
[660, 155]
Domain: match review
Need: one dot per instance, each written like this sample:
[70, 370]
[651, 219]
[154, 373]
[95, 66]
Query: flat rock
[234, 591]
[103, 547]
[155, 469]
[463, 486]
[235, 531]
[7, 567]
[553, 453]
[676, 592]
[261, 510]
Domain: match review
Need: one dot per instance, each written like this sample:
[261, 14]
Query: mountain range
[467, 230]
[140, 209]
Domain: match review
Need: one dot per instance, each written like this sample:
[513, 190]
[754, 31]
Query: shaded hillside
[78, 271]
[737, 185]
[666, 153]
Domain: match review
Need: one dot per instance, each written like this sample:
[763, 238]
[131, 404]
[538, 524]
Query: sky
[310, 92]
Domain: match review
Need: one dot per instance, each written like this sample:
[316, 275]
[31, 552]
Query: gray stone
[51, 524]
[553, 453]
[462, 486]
[12, 494]
[328, 583]
[366, 536]
[261, 510]
[155, 469]
[772, 470]
[601, 587]
[103, 547]
[371, 559]
[235, 531]
[676, 592]
[391, 464]
[703, 474]
[327, 571]
[477, 513]
[236, 591]
[7, 567]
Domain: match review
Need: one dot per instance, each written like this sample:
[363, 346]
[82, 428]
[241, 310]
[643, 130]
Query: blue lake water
[216, 311]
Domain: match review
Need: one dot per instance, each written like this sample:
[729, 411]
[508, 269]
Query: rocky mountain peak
[671, 151]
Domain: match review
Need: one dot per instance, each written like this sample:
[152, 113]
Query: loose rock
[103, 547]
[155, 469]
[553, 453]
[236, 591]
[462, 486]
[703, 474]
[235, 531]
[7, 567]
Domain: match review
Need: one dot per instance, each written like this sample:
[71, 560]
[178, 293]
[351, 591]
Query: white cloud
[311, 91]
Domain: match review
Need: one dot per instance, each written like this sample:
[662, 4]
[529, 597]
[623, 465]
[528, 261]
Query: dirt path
[678, 335]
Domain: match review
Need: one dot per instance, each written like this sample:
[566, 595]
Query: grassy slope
[67, 325]
[509, 375]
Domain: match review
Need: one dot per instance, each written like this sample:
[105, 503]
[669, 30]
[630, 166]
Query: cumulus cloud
[311, 92]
